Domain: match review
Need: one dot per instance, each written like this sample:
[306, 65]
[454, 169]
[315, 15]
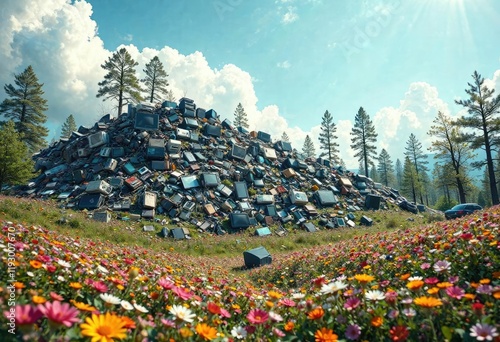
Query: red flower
[399, 333]
[213, 308]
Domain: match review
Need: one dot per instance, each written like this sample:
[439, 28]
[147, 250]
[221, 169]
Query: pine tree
[25, 106]
[410, 184]
[483, 108]
[413, 151]
[361, 169]
[327, 138]
[308, 148]
[373, 173]
[15, 162]
[364, 138]
[240, 117]
[68, 127]
[284, 137]
[385, 168]
[156, 79]
[450, 147]
[170, 96]
[120, 83]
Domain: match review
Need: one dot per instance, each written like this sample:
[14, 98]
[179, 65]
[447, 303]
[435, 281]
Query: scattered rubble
[174, 163]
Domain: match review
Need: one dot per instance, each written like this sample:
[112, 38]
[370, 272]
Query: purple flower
[483, 332]
[442, 266]
[353, 332]
[484, 289]
[455, 292]
[352, 303]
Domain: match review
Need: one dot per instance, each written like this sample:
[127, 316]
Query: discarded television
[239, 220]
[146, 121]
[98, 139]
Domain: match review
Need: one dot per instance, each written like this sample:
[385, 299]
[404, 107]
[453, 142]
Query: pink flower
[56, 296]
[166, 283]
[455, 292]
[25, 314]
[278, 332]
[99, 286]
[257, 316]
[182, 293]
[431, 281]
[287, 302]
[352, 303]
[60, 313]
[224, 313]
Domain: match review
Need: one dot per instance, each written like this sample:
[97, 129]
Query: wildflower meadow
[438, 282]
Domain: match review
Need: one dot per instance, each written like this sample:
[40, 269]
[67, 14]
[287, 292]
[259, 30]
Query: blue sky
[287, 61]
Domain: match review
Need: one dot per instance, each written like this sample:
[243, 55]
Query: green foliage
[68, 127]
[363, 139]
[240, 117]
[156, 79]
[418, 159]
[327, 138]
[15, 163]
[25, 106]
[443, 203]
[308, 148]
[120, 83]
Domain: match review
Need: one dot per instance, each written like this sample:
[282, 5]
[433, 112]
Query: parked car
[461, 210]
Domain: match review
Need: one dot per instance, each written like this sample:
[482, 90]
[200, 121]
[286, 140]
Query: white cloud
[284, 65]
[290, 16]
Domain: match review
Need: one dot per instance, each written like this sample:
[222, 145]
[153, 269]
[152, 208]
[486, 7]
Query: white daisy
[126, 305]
[64, 263]
[110, 299]
[182, 313]
[297, 295]
[239, 333]
[333, 287]
[140, 308]
[415, 278]
[102, 269]
[375, 295]
[276, 317]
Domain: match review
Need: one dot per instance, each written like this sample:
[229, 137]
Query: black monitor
[146, 121]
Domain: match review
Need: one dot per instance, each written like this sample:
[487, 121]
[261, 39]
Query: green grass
[79, 224]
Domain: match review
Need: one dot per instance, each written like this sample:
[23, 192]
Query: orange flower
[206, 332]
[496, 294]
[129, 323]
[484, 281]
[18, 285]
[325, 335]
[496, 275]
[376, 321]
[405, 276]
[83, 306]
[75, 285]
[316, 313]
[415, 285]
[154, 295]
[213, 308]
[269, 304]
[428, 302]
[364, 278]
[469, 296]
[433, 291]
[185, 332]
[36, 264]
[444, 285]
[38, 300]
[289, 326]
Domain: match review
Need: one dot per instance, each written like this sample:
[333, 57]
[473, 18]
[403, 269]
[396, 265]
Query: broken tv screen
[146, 121]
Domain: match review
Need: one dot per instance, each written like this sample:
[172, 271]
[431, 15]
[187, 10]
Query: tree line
[455, 142]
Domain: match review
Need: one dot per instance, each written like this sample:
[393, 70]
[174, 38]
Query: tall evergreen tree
[410, 184]
[483, 108]
[156, 79]
[240, 117]
[385, 168]
[399, 173]
[373, 173]
[68, 127]
[361, 169]
[364, 138]
[308, 148]
[327, 138]
[418, 158]
[25, 106]
[450, 147]
[15, 162]
[284, 137]
[120, 83]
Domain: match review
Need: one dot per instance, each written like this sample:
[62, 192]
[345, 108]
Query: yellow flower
[427, 302]
[75, 286]
[38, 300]
[433, 291]
[274, 295]
[206, 332]
[364, 278]
[444, 285]
[469, 296]
[83, 306]
[484, 281]
[104, 328]
[185, 332]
